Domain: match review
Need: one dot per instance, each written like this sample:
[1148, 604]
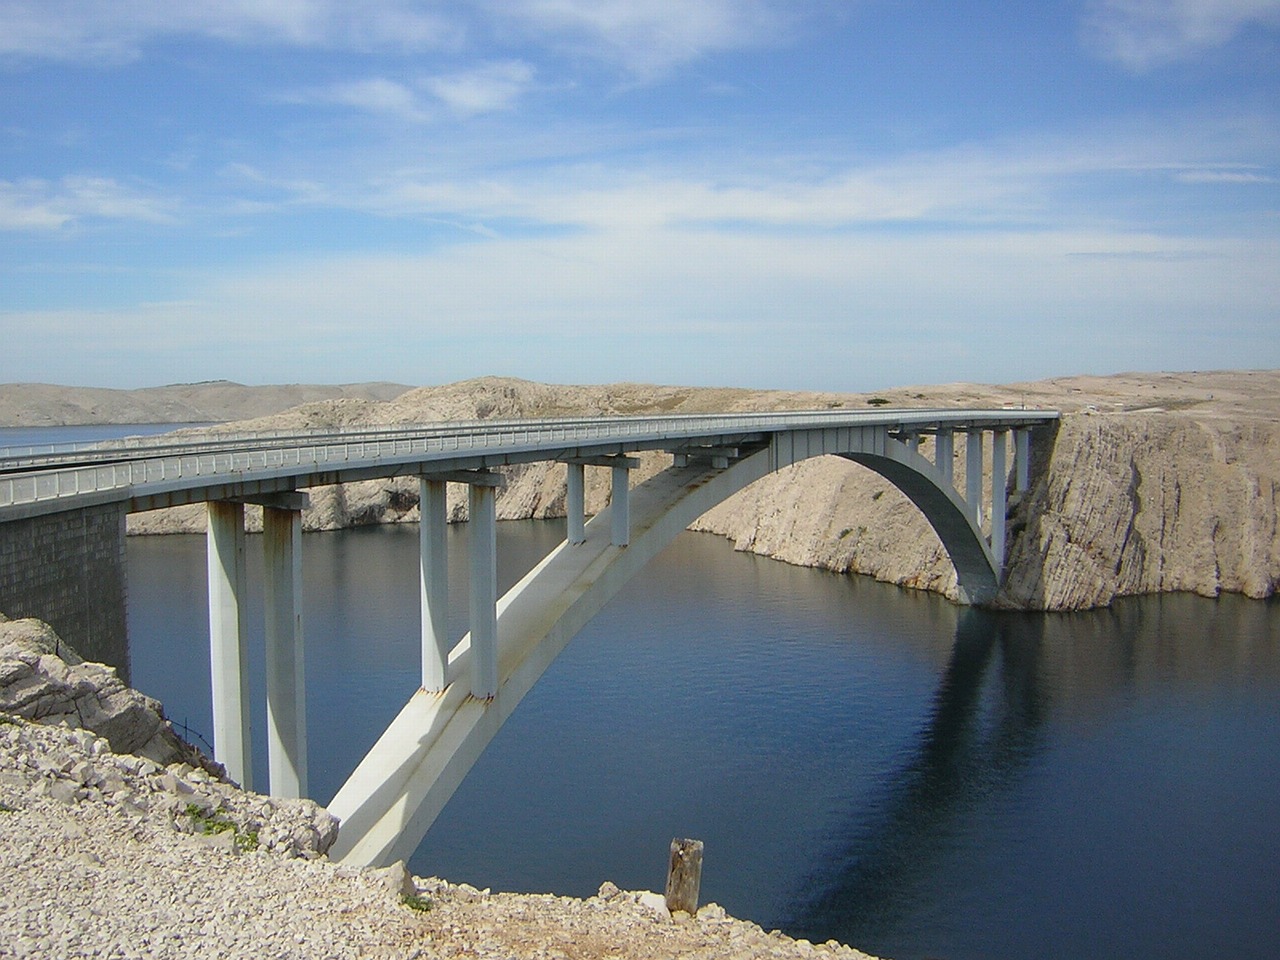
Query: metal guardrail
[239, 456]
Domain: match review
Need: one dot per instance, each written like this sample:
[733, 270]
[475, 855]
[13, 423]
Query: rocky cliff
[1151, 483]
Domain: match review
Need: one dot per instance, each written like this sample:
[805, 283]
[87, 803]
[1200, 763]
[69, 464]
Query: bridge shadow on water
[984, 729]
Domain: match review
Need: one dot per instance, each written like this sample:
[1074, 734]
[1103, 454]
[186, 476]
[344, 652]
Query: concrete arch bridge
[57, 506]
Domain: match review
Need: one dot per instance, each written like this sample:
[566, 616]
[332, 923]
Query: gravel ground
[108, 855]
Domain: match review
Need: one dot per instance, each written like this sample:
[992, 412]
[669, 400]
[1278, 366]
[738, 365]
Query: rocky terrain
[118, 842]
[45, 404]
[1152, 482]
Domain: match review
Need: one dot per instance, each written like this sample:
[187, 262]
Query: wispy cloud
[116, 32]
[645, 37]
[376, 95]
[483, 89]
[648, 36]
[1143, 34]
[41, 205]
[486, 88]
[1224, 176]
[1029, 181]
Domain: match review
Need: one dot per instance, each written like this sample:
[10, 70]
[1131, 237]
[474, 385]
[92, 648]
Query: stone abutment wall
[68, 569]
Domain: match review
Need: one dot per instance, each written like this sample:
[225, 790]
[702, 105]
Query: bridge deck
[147, 473]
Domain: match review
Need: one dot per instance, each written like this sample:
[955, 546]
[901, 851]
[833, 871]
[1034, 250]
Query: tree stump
[684, 876]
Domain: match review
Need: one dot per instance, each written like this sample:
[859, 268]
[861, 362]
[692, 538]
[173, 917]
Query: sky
[797, 194]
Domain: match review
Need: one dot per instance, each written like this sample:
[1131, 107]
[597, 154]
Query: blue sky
[826, 194]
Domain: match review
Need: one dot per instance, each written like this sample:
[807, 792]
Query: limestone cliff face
[1124, 501]
[1147, 503]
[1123, 504]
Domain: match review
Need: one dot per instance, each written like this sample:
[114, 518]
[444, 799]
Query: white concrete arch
[400, 787]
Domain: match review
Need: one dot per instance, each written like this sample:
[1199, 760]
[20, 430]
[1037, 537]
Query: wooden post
[684, 876]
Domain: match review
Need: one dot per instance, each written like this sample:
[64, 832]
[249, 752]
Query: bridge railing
[222, 458]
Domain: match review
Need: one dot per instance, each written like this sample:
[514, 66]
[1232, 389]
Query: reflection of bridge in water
[61, 549]
[957, 761]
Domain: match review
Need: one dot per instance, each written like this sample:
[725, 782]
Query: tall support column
[621, 502]
[286, 678]
[1021, 459]
[228, 655]
[482, 534]
[999, 477]
[944, 454]
[433, 568]
[973, 473]
[575, 503]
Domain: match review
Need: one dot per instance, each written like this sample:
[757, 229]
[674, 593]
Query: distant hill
[50, 405]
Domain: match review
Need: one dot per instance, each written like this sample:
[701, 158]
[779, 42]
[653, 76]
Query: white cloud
[1223, 176]
[644, 36]
[648, 36]
[27, 205]
[810, 311]
[1142, 34]
[1047, 181]
[117, 31]
[484, 89]
[376, 95]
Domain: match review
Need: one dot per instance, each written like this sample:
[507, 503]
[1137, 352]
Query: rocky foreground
[109, 853]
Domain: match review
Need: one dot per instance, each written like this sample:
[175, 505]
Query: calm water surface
[20, 438]
[862, 762]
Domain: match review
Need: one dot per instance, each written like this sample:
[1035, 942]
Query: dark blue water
[862, 762]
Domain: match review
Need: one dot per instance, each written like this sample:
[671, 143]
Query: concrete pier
[973, 474]
[575, 503]
[620, 505]
[433, 580]
[944, 454]
[228, 641]
[286, 670]
[999, 476]
[482, 540]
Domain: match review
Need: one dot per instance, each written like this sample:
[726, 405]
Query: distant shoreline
[52, 405]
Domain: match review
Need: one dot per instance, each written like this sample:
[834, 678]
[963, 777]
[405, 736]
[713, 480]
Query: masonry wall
[68, 569]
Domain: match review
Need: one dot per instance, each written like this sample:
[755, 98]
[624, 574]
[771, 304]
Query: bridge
[62, 533]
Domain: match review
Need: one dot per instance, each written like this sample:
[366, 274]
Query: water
[20, 438]
[862, 762]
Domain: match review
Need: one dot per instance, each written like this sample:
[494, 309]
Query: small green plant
[877, 401]
[209, 822]
[5, 808]
[415, 902]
